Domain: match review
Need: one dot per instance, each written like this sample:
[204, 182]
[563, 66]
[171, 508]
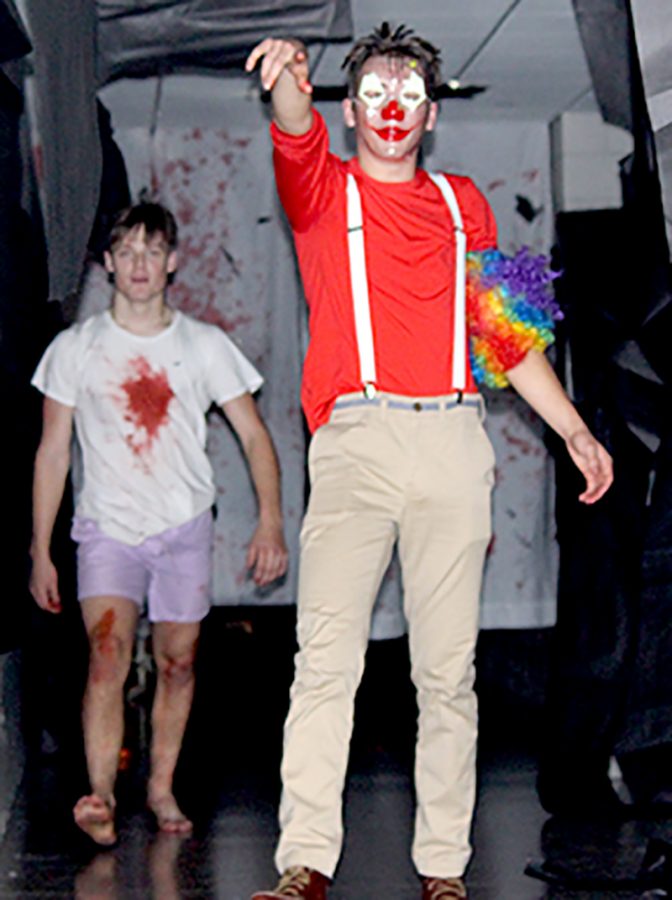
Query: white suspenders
[460, 315]
[360, 290]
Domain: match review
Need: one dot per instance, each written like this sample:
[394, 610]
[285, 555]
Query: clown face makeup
[391, 111]
[406, 93]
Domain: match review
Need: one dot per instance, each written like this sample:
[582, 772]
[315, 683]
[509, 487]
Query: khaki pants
[418, 473]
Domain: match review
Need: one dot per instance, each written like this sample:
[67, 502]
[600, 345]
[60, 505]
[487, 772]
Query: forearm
[51, 470]
[265, 474]
[537, 383]
[292, 108]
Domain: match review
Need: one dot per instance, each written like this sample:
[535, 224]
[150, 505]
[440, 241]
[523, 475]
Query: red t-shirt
[410, 258]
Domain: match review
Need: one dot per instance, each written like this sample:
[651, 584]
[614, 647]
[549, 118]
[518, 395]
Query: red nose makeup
[392, 112]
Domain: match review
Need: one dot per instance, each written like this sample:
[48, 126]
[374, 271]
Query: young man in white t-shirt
[136, 382]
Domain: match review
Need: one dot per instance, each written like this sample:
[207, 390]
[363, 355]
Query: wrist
[270, 519]
[39, 549]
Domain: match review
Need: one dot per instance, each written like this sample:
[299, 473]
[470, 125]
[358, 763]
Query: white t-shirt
[140, 405]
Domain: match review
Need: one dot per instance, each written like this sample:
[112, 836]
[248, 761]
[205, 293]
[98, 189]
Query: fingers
[277, 56]
[44, 587]
[595, 464]
[47, 599]
[597, 485]
[267, 562]
[51, 601]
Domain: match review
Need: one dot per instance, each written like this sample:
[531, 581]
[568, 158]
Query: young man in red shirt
[399, 454]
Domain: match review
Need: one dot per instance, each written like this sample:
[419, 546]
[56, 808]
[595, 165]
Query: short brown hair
[401, 43]
[156, 219]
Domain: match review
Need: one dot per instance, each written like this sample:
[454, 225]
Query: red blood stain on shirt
[148, 395]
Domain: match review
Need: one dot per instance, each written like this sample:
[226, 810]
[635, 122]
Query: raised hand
[280, 55]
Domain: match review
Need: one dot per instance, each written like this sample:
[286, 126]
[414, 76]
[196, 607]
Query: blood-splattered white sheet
[235, 266]
[237, 269]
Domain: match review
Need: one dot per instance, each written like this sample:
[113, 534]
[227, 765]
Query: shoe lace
[294, 880]
[445, 889]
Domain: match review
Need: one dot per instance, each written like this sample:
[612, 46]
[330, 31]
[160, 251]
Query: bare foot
[95, 817]
[169, 816]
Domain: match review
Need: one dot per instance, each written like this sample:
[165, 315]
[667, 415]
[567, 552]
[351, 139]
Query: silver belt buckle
[369, 390]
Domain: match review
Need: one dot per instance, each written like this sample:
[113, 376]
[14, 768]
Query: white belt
[410, 404]
[360, 288]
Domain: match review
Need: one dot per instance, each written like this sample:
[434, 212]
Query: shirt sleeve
[56, 373]
[230, 374]
[301, 166]
[479, 220]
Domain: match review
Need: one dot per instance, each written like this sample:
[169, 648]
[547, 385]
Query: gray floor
[231, 855]
[228, 782]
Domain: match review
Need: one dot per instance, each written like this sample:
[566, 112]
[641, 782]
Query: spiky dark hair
[402, 43]
[155, 218]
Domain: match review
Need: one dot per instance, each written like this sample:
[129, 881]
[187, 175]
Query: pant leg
[346, 544]
[444, 533]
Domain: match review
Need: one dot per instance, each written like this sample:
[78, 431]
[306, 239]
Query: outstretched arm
[284, 72]
[52, 464]
[537, 383]
[267, 553]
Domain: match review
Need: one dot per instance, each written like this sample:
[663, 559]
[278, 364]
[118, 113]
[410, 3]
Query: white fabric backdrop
[237, 269]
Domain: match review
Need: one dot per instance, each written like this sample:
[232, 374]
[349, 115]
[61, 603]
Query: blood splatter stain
[102, 631]
[148, 395]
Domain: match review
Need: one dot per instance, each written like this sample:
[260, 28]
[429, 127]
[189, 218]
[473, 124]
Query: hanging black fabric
[14, 41]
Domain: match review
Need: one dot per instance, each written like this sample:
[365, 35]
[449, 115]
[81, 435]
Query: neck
[144, 319]
[391, 171]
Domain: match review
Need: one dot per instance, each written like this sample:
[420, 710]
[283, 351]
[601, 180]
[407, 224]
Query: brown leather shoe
[298, 882]
[443, 889]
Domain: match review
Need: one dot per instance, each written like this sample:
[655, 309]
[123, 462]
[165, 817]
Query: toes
[95, 818]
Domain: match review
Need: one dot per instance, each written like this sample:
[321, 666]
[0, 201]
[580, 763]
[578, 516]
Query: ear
[171, 263]
[432, 116]
[107, 259]
[348, 107]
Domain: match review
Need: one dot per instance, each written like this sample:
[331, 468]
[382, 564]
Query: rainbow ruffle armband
[511, 309]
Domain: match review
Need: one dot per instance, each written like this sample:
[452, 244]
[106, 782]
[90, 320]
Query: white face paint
[409, 92]
[391, 110]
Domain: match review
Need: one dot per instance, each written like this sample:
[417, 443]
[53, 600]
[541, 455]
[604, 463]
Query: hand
[44, 584]
[267, 554]
[593, 462]
[279, 55]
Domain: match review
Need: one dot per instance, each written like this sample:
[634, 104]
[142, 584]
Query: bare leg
[174, 651]
[110, 625]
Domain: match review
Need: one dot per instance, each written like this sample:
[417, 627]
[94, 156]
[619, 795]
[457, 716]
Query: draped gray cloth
[162, 36]
[79, 44]
[653, 32]
[63, 114]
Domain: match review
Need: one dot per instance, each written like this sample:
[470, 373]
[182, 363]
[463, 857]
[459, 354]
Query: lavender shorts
[171, 569]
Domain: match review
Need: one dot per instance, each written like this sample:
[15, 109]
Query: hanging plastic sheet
[161, 36]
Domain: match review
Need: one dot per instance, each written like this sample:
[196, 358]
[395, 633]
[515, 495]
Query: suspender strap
[460, 319]
[360, 288]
